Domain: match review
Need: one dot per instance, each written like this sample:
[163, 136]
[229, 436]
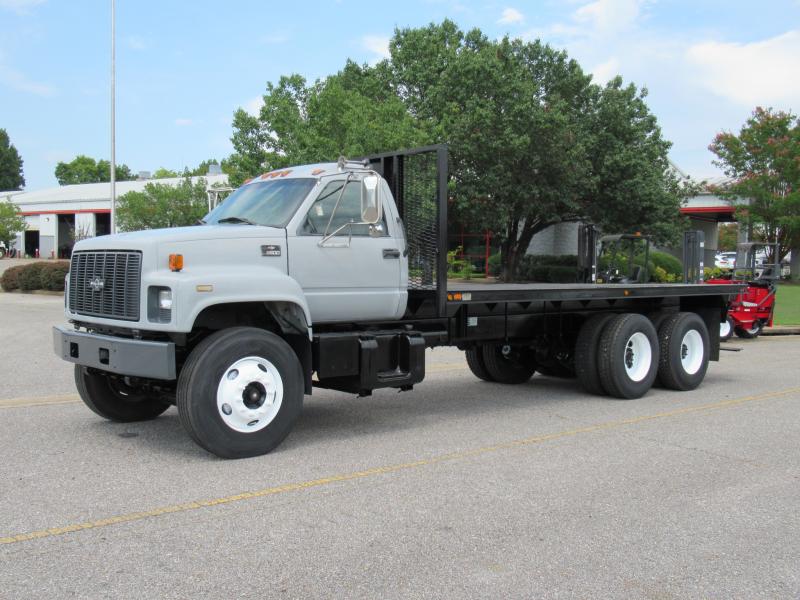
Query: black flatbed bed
[524, 292]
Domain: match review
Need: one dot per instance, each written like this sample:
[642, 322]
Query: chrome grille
[106, 284]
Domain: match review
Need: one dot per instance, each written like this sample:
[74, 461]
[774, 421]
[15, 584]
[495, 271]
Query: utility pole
[113, 124]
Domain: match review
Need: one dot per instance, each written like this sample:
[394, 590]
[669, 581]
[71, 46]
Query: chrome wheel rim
[638, 356]
[249, 394]
[692, 351]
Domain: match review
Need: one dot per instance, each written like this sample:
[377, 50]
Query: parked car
[725, 260]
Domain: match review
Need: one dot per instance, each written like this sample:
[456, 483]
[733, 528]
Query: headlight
[165, 299]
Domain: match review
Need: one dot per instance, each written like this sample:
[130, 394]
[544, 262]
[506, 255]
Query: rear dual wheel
[623, 355]
[502, 363]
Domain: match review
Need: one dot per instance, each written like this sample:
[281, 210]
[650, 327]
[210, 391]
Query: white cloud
[377, 44]
[757, 73]
[274, 38]
[253, 106]
[608, 16]
[136, 42]
[19, 82]
[21, 7]
[183, 122]
[510, 16]
[603, 72]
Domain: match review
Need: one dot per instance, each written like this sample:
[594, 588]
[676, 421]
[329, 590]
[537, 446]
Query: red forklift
[758, 265]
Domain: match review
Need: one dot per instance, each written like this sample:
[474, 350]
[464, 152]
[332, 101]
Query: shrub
[30, 278]
[10, 279]
[670, 264]
[495, 264]
[52, 276]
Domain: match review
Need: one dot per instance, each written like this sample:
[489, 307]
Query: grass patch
[787, 305]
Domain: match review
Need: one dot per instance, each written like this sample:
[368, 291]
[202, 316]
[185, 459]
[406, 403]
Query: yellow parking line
[293, 487]
[39, 401]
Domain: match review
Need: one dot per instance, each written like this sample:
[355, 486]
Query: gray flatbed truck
[335, 276]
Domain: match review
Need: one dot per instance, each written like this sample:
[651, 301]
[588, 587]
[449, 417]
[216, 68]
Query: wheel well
[285, 319]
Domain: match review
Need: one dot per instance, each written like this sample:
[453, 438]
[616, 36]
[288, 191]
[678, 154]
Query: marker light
[175, 262]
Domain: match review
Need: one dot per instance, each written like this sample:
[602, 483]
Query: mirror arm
[336, 206]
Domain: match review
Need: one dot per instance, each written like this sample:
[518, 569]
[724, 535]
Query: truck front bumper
[135, 358]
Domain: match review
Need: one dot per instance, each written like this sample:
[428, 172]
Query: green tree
[162, 173]
[351, 113]
[201, 170]
[764, 161]
[11, 222]
[728, 237]
[161, 205]
[533, 141]
[84, 169]
[11, 177]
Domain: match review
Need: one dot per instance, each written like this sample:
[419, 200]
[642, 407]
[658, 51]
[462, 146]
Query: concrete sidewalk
[782, 330]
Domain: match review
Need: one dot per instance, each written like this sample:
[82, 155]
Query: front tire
[628, 356]
[112, 399]
[240, 392]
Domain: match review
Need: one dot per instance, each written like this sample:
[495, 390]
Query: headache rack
[418, 180]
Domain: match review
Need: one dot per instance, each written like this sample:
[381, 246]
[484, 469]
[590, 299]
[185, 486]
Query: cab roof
[315, 171]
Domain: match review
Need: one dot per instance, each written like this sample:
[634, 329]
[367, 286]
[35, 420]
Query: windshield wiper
[237, 220]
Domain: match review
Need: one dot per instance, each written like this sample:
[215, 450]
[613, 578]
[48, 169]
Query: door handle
[391, 253]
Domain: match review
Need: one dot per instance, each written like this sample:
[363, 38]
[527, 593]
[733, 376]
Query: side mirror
[371, 208]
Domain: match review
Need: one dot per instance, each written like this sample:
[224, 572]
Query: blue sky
[183, 68]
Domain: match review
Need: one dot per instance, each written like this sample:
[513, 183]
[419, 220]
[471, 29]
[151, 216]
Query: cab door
[354, 275]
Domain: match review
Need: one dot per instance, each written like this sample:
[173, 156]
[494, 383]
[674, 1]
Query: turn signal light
[175, 262]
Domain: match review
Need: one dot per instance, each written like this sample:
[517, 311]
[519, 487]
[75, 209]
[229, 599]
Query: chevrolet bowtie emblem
[97, 284]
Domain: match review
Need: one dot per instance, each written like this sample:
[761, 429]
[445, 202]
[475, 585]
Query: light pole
[113, 125]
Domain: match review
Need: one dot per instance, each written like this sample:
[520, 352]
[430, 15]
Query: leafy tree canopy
[764, 161]
[11, 222]
[11, 177]
[532, 140]
[163, 173]
[161, 205]
[84, 169]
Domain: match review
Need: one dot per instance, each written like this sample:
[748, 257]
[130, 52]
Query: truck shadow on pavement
[331, 417]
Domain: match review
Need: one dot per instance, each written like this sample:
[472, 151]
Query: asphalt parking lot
[457, 489]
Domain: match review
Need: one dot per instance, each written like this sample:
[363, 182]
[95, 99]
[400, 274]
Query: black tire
[202, 375]
[586, 347]
[658, 318]
[725, 335]
[476, 364]
[113, 400]
[515, 366]
[674, 346]
[617, 351]
[752, 333]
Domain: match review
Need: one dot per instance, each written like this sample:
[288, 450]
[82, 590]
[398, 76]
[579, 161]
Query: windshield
[269, 203]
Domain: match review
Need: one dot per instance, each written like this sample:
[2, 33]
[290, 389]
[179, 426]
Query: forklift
[753, 309]
[621, 258]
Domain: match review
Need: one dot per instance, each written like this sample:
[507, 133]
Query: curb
[781, 330]
[33, 292]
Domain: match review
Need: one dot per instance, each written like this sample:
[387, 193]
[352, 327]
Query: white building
[54, 216]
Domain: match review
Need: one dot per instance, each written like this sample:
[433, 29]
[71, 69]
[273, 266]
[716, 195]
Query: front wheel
[113, 399]
[750, 333]
[240, 392]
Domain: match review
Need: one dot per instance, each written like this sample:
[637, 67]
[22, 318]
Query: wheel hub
[692, 351]
[249, 394]
[638, 356]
